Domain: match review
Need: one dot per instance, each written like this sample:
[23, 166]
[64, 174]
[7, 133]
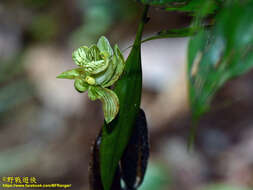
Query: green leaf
[115, 135]
[160, 2]
[196, 7]
[172, 33]
[216, 56]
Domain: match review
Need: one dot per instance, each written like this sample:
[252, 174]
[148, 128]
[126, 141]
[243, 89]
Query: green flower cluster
[99, 68]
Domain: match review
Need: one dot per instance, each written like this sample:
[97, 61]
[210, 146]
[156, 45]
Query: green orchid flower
[99, 68]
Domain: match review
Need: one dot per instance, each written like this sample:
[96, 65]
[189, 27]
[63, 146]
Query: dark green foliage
[133, 163]
[221, 48]
[115, 135]
[216, 54]
[160, 2]
[196, 7]
[94, 169]
[219, 54]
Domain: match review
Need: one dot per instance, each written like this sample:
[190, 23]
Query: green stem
[137, 41]
[116, 134]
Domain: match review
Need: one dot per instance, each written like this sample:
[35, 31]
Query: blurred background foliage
[47, 128]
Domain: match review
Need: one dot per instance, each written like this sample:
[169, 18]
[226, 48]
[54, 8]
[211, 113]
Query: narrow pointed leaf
[95, 181]
[115, 135]
[173, 33]
[196, 7]
[215, 56]
[160, 2]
